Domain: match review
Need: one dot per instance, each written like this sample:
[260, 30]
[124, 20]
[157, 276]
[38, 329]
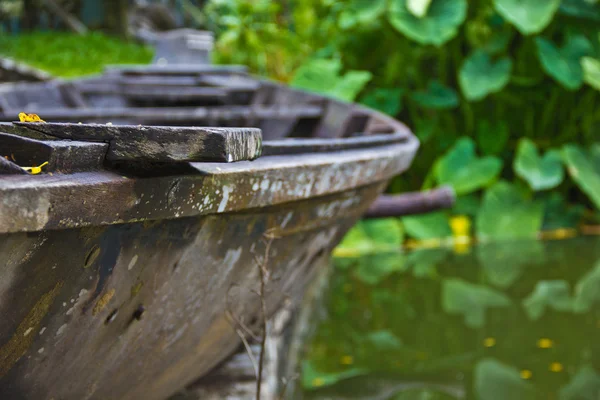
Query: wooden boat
[130, 263]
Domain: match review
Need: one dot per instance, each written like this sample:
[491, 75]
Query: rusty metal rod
[412, 203]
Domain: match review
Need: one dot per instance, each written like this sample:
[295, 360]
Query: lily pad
[584, 168]
[439, 25]
[564, 63]
[470, 300]
[548, 294]
[432, 225]
[528, 16]
[437, 96]
[480, 76]
[497, 381]
[541, 173]
[591, 71]
[461, 169]
[506, 213]
[388, 101]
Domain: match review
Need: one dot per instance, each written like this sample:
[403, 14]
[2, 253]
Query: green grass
[68, 55]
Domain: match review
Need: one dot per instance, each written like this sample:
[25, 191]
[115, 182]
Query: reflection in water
[501, 321]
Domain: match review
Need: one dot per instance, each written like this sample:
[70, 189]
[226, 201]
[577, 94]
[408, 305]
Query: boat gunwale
[44, 202]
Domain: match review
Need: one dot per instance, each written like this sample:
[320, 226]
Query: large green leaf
[591, 71]
[374, 235]
[528, 16]
[564, 63]
[437, 96]
[470, 300]
[585, 9]
[480, 75]
[418, 8]
[540, 172]
[584, 168]
[461, 168]
[439, 25]
[497, 381]
[361, 12]
[558, 213]
[506, 213]
[432, 225]
[388, 101]
[548, 294]
[323, 76]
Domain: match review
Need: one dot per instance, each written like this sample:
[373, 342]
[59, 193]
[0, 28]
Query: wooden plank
[157, 144]
[318, 145]
[170, 114]
[176, 69]
[64, 156]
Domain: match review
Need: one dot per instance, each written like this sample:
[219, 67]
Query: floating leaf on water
[541, 173]
[480, 75]
[553, 294]
[437, 96]
[470, 300]
[384, 340]
[497, 381]
[506, 213]
[528, 16]
[564, 63]
[584, 168]
[463, 170]
[439, 25]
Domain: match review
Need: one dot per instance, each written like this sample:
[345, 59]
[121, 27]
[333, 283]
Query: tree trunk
[116, 17]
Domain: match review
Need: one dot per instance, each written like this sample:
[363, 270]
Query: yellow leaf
[35, 170]
[29, 117]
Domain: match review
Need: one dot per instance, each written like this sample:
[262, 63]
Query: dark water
[497, 321]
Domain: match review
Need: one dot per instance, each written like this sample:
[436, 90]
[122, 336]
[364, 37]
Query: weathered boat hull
[71, 297]
[121, 279]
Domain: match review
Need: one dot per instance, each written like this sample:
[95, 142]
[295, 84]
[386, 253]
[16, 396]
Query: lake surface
[497, 321]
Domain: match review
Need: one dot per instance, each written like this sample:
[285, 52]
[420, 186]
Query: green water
[499, 321]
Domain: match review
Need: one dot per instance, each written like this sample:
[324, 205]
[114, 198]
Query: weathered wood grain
[153, 143]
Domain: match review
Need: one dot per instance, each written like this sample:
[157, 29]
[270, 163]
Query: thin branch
[248, 351]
